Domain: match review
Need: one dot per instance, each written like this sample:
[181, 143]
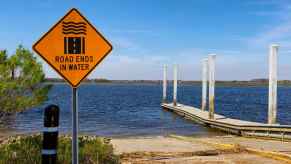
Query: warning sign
[73, 47]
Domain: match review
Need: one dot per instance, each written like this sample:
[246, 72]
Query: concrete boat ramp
[229, 125]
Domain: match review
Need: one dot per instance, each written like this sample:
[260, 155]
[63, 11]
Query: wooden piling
[50, 134]
[165, 84]
[272, 106]
[175, 81]
[211, 70]
[204, 84]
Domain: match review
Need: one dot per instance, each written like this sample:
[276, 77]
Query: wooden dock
[229, 125]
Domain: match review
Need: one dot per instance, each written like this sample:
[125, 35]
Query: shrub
[27, 150]
[21, 82]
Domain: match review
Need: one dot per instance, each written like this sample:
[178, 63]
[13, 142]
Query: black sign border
[71, 10]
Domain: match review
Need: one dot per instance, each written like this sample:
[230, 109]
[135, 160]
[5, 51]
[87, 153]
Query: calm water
[126, 110]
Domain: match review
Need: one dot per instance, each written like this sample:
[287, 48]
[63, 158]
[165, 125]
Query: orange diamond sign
[73, 47]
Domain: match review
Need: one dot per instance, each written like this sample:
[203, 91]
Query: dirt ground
[188, 150]
[198, 150]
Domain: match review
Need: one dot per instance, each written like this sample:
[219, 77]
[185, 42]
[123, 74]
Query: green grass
[27, 150]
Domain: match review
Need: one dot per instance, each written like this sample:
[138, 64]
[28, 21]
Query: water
[134, 109]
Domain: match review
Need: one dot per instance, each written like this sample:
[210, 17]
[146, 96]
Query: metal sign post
[73, 47]
[75, 151]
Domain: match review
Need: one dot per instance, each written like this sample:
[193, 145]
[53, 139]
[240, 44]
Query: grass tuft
[27, 150]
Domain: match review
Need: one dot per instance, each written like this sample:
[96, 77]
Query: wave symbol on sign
[74, 28]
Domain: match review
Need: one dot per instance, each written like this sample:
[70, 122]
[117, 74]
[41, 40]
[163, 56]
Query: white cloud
[132, 60]
[124, 43]
[147, 67]
[278, 33]
[132, 31]
[278, 30]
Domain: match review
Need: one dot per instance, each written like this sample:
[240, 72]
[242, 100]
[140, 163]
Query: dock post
[211, 70]
[204, 84]
[50, 134]
[165, 84]
[175, 81]
[272, 106]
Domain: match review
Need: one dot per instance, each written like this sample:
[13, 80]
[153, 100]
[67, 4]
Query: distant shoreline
[219, 83]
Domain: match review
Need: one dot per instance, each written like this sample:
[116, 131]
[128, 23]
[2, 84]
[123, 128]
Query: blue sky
[149, 33]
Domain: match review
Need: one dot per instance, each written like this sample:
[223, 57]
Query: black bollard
[50, 135]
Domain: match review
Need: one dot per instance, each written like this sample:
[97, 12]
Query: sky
[146, 34]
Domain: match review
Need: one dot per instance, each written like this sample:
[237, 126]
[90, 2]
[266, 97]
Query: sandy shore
[184, 150]
[5, 134]
[191, 150]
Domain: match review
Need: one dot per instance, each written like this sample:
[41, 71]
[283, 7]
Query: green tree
[21, 82]
[3, 56]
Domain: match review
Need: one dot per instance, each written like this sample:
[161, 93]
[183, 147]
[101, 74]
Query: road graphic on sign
[73, 47]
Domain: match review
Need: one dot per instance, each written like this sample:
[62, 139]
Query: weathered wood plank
[237, 126]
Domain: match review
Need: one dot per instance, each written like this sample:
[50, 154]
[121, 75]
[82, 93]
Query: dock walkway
[234, 126]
